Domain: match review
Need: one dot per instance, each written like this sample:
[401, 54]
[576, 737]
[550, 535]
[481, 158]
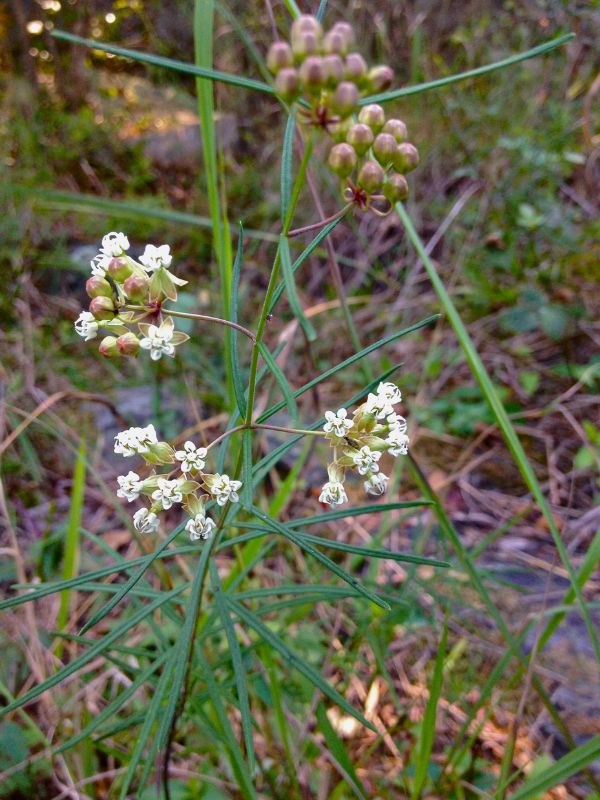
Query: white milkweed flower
[130, 486]
[396, 423]
[365, 460]
[86, 325]
[168, 493]
[200, 527]
[158, 340]
[113, 245]
[376, 484]
[397, 442]
[135, 441]
[145, 521]
[382, 404]
[333, 493]
[223, 489]
[154, 258]
[191, 457]
[337, 424]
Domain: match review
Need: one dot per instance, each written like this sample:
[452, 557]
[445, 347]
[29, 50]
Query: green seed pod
[360, 136]
[108, 347]
[102, 308]
[406, 158]
[128, 344]
[373, 116]
[119, 269]
[279, 56]
[333, 69]
[370, 177]
[98, 287]
[306, 23]
[342, 159]
[312, 74]
[380, 78]
[345, 98]
[395, 187]
[355, 68]
[346, 30]
[339, 130]
[397, 128]
[287, 84]
[384, 148]
[136, 288]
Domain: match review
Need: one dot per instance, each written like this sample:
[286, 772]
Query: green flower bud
[384, 148]
[373, 116]
[335, 42]
[128, 344]
[406, 158]
[344, 99]
[287, 84]
[98, 287]
[160, 453]
[360, 136]
[306, 23]
[108, 347]
[102, 308]
[333, 70]
[342, 159]
[397, 128]
[395, 187]
[312, 74]
[136, 288]
[279, 56]
[339, 130]
[370, 177]
[304, 45]
[380, 78]
[355, 68]
[119, 269]
[346, 30]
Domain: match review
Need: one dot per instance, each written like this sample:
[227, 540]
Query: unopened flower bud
[406, 158]
[98, 287]
[108, 347]
[287, 84]
[373, 116]
[333, 70]
[370, 177]
[306, 23]
[136, 288]
[305, 44]
[346, 30]
[312, 74]
[118, 269]
[384, 148]
[380, 78]
[335, 42]
[395, 187]
[360, 136]
[397, 128]
[102, 308]
[279, 56]
[128, 344]
[342, 159]
[355, 68]
[345, 98]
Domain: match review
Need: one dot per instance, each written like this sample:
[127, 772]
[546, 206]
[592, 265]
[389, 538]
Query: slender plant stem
[294, 431]
[321, 224]
[217, 320]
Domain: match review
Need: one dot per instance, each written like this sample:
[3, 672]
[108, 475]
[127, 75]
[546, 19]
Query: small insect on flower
[135, 441]
[191, 457]
[200, 527]
[168, 493]
[86, 325]
[145, 521]
[154, 258]
[130, 486]
[337, 423]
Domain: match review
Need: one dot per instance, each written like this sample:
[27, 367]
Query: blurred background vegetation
[507, 194]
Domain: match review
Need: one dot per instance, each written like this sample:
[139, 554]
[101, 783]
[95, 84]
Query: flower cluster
[358, 443]
[119, 287]
[372, 155]
[186, 484]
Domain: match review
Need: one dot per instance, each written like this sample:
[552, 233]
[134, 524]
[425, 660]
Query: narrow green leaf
[292, 7]
[358, 511]
[246, 490]
[287, 154]
[339, 753]
[281, 380]
[292, 294]
[321, 10]
[238, 384]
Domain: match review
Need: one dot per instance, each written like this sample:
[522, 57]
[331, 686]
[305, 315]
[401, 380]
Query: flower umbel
[135, 441]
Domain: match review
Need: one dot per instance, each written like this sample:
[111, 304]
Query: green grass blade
[167, 63]
[358, 511]
[491, 395]
[427, 731]
[287, 153]
[292, 294]
[292, 7]
[321, 10]
[246, 490]
[238, 385]
[546, 47]
[294, 660]
[281, 381]
[339, 753]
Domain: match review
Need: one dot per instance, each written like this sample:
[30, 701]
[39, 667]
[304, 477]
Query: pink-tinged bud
[306, 23]
[360, 136]
[370, 177]
[119, 269]
[373, 116]
[355, 68]
[108, 347]
[406, 158]
[335, 42]
[397, 128]
[102, 308]
[305, 44]
[345, 98]
[381, 78]
[279, 56]
[287, 84]
[395, 187]
[346, 30]
[128, 344]
[98, 287]
[312, 74]
[342, 159]
[136, 288]
[384, 148]
[333, 70]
